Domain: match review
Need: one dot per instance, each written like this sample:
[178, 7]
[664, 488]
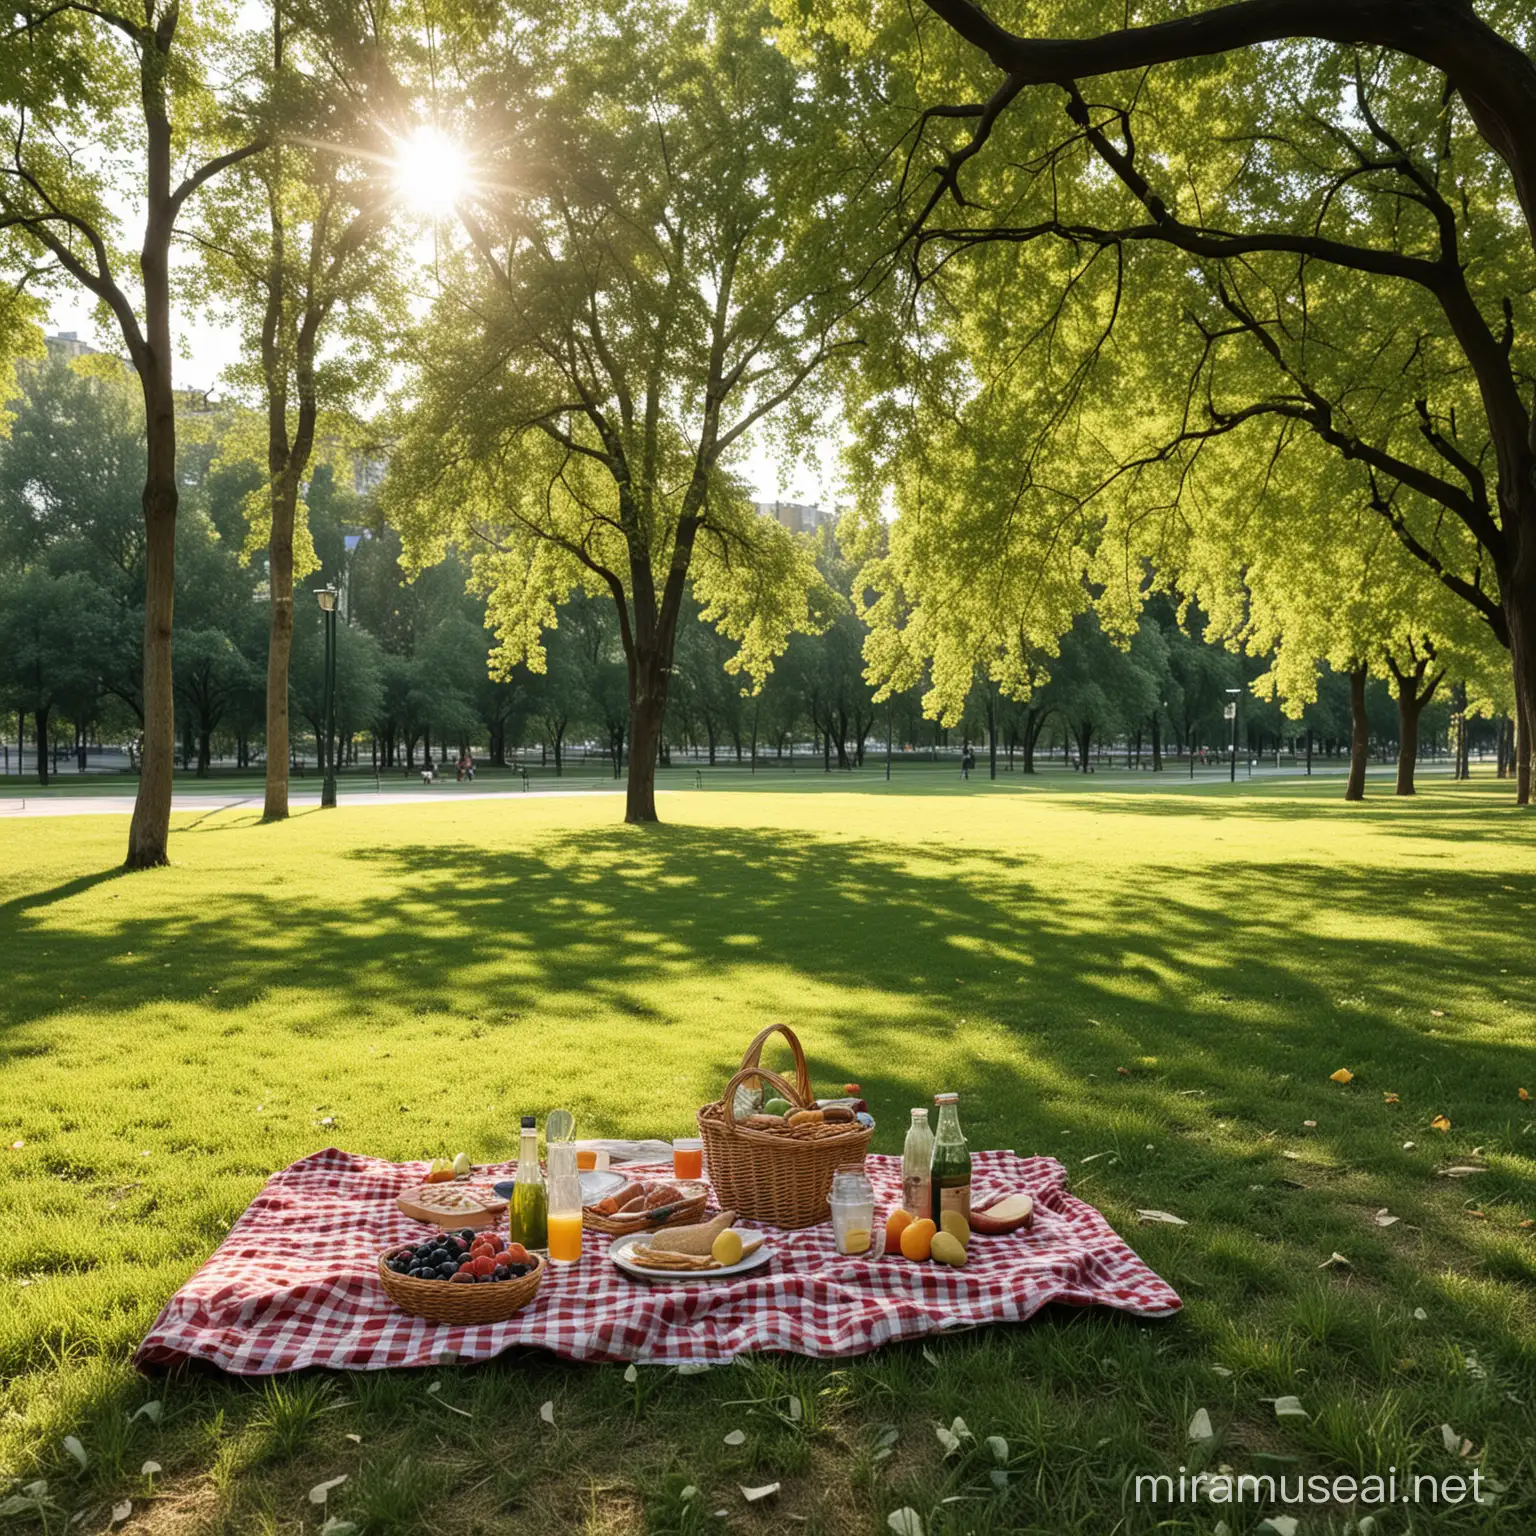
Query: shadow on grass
[1162, 960]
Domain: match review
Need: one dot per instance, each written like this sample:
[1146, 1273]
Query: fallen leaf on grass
[753, 1495]
[999, 1448]
[322, 1491]
[1343, 1075]
[335, 1527]
[76, 1450]
[1390, 1098]
[1290, 1408]
[1523, 1097]
[1311, 1125]
[1420, 1315]
[1160, 1218]
[1279, 1525]
[547, 1412]
[1200, 1426]
[631, 1375]
[906, 1522]
[355, 1439]
[1460, 1171]
[1335, 1261]
[1408, 1146]
[736, 1437]
[1384, 1218]
[1221, 1370]
[121, 1511]
[1480, 1215]
[1454, 1442]
[16, 1146]
[150, 1410]
[1440, 1123]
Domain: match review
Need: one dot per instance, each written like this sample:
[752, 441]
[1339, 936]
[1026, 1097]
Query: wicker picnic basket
[443, 1302]
[775, 1176]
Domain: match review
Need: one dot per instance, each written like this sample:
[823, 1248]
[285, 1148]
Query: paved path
[210, 801]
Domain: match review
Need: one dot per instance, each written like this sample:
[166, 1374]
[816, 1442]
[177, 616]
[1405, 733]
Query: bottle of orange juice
[564, 1204]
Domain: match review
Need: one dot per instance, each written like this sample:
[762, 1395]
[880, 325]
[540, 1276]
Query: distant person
[967, 763]
[466, 768]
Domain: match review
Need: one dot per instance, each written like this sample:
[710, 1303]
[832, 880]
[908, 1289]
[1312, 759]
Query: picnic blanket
[296, 1283]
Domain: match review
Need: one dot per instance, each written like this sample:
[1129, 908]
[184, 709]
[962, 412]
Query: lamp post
[1234, 694]
[326, 597]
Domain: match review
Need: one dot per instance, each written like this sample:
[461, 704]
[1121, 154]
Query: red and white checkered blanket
[296, 1283]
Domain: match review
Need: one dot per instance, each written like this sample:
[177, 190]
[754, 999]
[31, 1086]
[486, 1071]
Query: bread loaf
[696, 1239]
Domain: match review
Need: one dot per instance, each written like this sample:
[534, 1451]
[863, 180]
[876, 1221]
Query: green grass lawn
[1153, 987]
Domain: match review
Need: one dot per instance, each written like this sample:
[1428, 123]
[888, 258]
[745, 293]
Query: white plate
[617, 1251]
[595, 1183]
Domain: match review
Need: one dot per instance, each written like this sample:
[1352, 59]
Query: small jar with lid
[852, 1203]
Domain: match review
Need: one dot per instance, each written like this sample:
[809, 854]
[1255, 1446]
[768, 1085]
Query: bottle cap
[946, 1098]
[528, 1122]
[923, 1112]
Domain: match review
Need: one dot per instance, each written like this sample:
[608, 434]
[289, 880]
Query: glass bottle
[951, 1161]
[529, 1218]
[564, 1204]
[917, 1166]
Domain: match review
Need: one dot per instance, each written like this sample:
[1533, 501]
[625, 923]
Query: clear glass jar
[852, 1203]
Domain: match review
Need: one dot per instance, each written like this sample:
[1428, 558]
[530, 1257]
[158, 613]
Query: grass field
[421, 976]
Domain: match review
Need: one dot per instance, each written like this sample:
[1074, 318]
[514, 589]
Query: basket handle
[754, 1054]
[785, 1087]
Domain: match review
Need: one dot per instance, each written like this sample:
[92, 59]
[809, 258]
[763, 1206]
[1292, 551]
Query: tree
[1333, 225]
[53, 630]
[660, 252]
[80, 83]
[71, 474]
[293, 246]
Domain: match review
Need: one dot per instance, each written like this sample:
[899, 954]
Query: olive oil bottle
[528, 1220]
[951, 1161]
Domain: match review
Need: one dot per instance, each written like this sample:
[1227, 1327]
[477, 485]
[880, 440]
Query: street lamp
[326, 597]
[1231, 713]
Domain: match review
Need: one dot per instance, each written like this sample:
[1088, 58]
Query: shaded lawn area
[1152, 987]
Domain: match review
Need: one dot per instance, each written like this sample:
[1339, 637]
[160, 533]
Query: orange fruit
[895, 1224]
[917, 1240]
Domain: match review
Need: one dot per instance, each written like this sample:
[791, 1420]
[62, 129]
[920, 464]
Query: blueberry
[447, 1268]
[501, 1272]
[467, 1234]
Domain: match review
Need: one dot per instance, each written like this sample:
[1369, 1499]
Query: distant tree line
[415, 684]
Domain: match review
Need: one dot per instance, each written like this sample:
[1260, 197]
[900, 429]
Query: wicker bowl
[444, 1302]
[776, 1176]
[683, 1213]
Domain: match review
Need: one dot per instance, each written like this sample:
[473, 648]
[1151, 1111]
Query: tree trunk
[1157, 743]
[204, 754]
[1359, 736]
[279, 647]
[1523, 755]
[149, 831]
[41, 718]
[648, 708]
[1409, 708]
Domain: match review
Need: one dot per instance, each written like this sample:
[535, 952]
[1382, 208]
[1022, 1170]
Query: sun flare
[431, 172]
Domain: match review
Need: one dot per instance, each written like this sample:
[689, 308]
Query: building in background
[795, 516]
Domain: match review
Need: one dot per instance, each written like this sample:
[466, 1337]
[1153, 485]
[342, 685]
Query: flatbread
[452, 1204]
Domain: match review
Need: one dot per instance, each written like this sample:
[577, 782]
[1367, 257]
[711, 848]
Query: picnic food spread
[772, 1156]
